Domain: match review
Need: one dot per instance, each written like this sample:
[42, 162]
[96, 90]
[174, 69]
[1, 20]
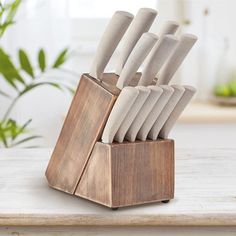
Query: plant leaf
[42, 60]
[26, 140]
[32, 86]
[8, 70]
[25, 63]
[61, 58]
[4, 94]
[8, 11]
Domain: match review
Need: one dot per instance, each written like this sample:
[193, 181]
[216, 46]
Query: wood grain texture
[204, 194]
[124, 174]
[86, 118]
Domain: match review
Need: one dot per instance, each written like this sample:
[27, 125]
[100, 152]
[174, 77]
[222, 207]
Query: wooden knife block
[114, 175]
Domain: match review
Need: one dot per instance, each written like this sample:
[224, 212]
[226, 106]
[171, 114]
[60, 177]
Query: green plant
[22, 77]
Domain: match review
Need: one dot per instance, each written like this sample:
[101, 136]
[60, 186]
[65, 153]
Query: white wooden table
[204, 204]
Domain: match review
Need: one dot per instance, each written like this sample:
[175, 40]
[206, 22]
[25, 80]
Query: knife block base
[126, 174]
[114, 175]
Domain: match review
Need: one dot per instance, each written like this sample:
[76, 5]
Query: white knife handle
[137, 56]
[165, 113]
[183, 102]
[170, 27]
[155, 112]
[141, 24]
[143, 113]
[121, 107]
[181, 50]
[156, 58]
[114, 31]
[142, 96]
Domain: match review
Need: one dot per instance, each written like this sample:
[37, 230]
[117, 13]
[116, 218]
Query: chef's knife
[136, 58]
[111, 37]
[143, 113]
[183, 102]
[156, 58]
[142, 96]
[119, 111]
[141, 24]
[181, 50]
[155, 112]
[170, 27]
[166, 111]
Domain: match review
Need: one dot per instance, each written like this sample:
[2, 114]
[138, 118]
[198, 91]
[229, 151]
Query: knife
[143, 113]
[170, 27]
[181, 50]
[142, 96]
[166, 111]
[183, 102]
[136, 58]
[156, 58]
[141, 24]
[121, 107]
[111, 37]
[155, 112]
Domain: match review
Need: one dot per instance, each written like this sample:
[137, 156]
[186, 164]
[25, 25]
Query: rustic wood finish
[129, 173]
[115, 174]
[82, 128]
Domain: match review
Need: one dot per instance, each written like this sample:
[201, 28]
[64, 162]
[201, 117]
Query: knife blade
[156, 58]
[143, 113]
[141, 24]
[121, 107]
[170, 27]
[136, 58]
[183, 102]
[111, 37]
[181, 50]
[142, 96]
[155, 112]
[165, 113]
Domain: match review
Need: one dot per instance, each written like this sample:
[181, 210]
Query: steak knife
[143, 113]
[155, 112]
[141, 24]
[183, 102]
[181, 50]
[142, 96]
[166, 111]
[119, 111]
[136, 58]
[170, 27]
[111, 37]
[156, 58]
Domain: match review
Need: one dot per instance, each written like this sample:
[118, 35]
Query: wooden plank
[86, 118]
[124, 174]
[205, 194]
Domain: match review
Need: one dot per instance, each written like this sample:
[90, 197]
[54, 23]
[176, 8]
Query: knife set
[114, 148]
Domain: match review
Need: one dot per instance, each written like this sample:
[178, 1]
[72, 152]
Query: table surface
[205, 194]
[203, 112]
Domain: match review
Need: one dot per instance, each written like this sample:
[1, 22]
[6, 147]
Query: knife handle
[156, 58]
[170, 27]
[183, 102]
[155, 112]
[122, 105]
[111, 37]
[141, 24]
[142, 96]
[165, 113]
[181, 50]
[137, 56]
[143, 113]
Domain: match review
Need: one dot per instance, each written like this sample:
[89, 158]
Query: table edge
[189, 219]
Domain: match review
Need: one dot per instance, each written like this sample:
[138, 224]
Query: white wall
[47, 24]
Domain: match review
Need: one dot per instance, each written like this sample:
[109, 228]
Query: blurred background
[45, 45]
